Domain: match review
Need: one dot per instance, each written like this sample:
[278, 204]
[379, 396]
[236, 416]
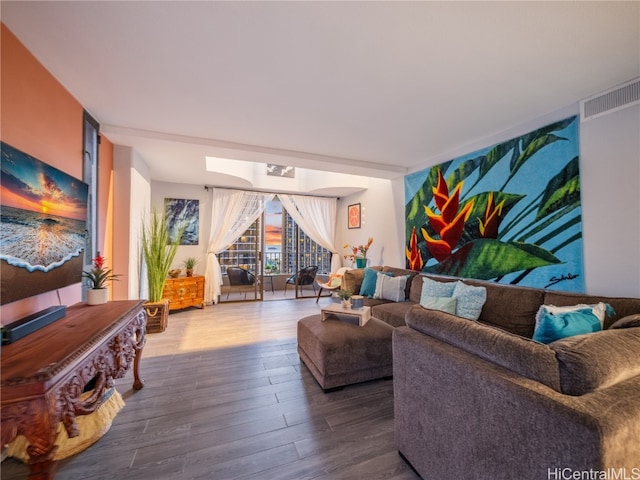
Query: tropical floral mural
[510, 213]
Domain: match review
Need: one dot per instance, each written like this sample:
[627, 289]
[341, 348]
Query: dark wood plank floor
[226, 397]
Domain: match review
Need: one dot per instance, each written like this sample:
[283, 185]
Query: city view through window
[286, 247]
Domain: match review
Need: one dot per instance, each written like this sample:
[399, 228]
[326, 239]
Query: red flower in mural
[414, 256]
[450, 223]
[491, 220]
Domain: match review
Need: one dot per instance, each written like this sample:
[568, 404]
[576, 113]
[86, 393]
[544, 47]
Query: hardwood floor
[226, 397]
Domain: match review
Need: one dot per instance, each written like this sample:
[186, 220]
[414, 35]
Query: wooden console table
[44, 374]
[184, 292]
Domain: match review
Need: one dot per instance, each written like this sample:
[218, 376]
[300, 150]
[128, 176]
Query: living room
[44, 119]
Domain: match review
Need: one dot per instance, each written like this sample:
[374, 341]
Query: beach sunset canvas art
[43, 214]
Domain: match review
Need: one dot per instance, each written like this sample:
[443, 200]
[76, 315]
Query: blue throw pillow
[368, 287]
[554, 326]
[444, 304]
[433, 288]
[470, 300]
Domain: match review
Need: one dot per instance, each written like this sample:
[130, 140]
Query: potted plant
[189, 263]
[359, 253]
[345, 297]
[98, 278]
[158, 253]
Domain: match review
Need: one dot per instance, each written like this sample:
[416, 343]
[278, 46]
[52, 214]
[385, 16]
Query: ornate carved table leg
[43, 470]
[140, 337]
[41, 431]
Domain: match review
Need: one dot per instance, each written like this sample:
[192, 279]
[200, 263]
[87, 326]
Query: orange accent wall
[41, 118]
[105, 201]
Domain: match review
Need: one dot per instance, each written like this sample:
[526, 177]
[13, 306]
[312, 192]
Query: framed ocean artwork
[43, 222]
[509, 213]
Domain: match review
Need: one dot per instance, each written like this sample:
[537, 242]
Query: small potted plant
[98, 278]
[345, 297]
[189, 263]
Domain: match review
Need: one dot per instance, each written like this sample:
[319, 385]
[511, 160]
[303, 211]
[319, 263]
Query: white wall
[382, 218]
[132, 194]
[162, 190]
[610, 178]
[610, 174]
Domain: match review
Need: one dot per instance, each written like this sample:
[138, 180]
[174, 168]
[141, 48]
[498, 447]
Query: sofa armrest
[457, 413]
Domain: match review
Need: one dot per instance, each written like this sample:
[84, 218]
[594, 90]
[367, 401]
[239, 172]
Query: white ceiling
[368, 88]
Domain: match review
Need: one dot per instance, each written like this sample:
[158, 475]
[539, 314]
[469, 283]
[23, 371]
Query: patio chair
[306, 276]
[240, 280]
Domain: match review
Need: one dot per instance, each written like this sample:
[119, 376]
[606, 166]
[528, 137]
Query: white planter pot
[97, 296]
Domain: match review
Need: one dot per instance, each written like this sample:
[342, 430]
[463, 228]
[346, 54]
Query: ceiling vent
[610, 101]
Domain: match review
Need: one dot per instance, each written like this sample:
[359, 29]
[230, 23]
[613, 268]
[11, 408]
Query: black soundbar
[31, 323]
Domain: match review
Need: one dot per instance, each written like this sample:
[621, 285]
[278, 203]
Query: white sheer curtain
[317, 218]
[232, 212]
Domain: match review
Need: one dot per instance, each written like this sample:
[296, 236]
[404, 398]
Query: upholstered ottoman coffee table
[339, 353]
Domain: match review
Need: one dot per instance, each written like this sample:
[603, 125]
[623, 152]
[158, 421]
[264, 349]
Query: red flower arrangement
[99, 275]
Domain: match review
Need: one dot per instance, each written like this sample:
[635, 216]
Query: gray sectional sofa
[482, 400]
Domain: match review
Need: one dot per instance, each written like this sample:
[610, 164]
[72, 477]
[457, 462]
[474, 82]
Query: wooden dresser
[184, 292]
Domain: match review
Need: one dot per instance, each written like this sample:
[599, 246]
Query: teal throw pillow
[368, 287]
[470, 300]
[444, 304]
[554, 326]
[600, 310]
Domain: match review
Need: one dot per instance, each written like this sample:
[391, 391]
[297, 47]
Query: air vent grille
[610, 101]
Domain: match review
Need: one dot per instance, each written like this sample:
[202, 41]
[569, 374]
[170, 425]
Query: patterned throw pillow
[470, 300]
[390, 288]
[432, 288]
[335, 280]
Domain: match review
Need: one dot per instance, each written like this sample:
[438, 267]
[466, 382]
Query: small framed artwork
[353, 215]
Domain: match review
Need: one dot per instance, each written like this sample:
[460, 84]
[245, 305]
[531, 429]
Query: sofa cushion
[521, 355]
[470, 300]
[553, 324]
[392, 313]
[597, 360]
[390, 288]
[510, 307]
[627, 322]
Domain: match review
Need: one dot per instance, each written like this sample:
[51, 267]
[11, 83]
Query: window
[298, 246]
[287, 248]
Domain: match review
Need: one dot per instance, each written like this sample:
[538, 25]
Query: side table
[361, 314]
